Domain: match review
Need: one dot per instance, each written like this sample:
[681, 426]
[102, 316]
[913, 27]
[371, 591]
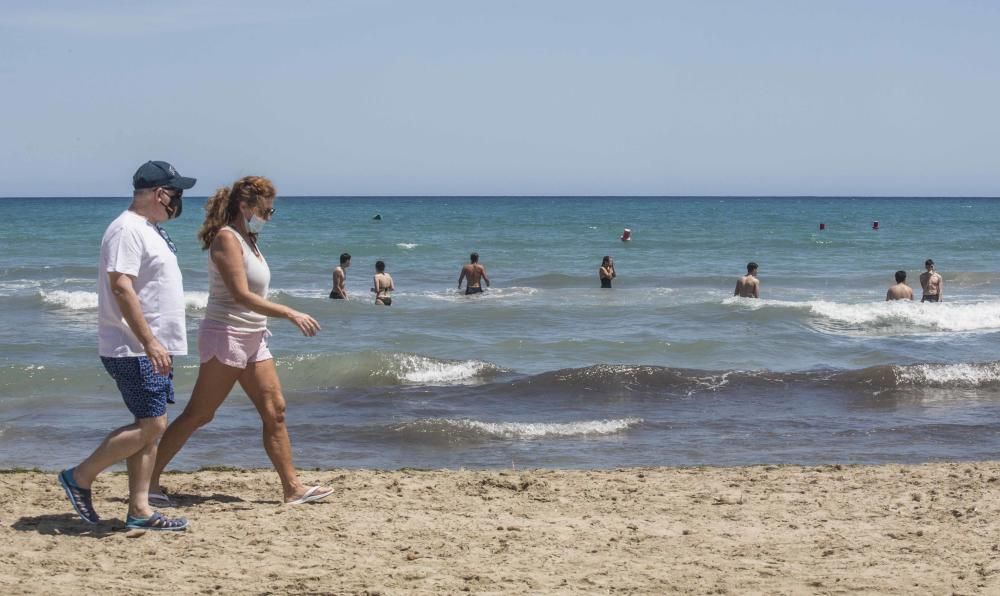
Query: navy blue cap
[159, 173]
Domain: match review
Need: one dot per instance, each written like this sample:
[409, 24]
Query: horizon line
[543, 196]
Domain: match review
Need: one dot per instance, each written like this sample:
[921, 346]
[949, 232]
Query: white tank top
[221, 306]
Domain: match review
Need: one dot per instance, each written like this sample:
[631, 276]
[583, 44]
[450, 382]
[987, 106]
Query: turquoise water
[545, 368]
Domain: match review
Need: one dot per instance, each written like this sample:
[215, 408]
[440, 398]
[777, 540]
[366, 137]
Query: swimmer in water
[900, 291]
[932, 283]
[473, 273]
[606, 271]
[383, 285]
[339, 292]
[748, 286]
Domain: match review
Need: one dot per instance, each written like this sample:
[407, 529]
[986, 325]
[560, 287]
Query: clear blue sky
[866, 97]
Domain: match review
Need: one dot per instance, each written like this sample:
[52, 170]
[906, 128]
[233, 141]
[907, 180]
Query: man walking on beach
[339, 277]
[932, 283]
[473, 273]
[748, 286]
[900, 291]
[141, 327]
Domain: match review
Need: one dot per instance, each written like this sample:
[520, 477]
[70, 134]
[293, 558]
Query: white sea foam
[946, 316]
[414, 368]
[490, 294]
[535, 430]
[407, 245]
[939, 317]
[949, 375]
[80, 300]
[196, 300]
[71, 300]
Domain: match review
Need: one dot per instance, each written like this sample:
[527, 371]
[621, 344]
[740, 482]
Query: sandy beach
[893, 529]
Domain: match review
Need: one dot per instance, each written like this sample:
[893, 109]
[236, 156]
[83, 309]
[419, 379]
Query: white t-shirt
[132, 245]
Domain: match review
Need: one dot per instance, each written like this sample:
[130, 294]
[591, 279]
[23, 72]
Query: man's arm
[736, 292]
[461, 276]
[482, 271]
[756, 289]
[128, 303]
[888, 295]
[940, 288]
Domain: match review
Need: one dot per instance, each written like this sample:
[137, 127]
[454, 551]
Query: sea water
[545, 369]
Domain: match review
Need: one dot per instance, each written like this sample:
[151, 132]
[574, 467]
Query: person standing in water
[748, 286]
[932, 283]
[339, 292]
[900, 291]
[474, 274]
[382, 285]
[607, 271]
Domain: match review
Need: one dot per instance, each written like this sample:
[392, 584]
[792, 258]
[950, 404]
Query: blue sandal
[80, 498]
[157, 521]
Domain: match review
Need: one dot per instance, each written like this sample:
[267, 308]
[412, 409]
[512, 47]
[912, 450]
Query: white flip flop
[313, 494]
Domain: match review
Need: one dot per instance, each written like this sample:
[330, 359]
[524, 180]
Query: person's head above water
[474, 257]
[345, 259]
[380, 266]
[900, 276]
[929, 264]
[606, 261]
[751, 267]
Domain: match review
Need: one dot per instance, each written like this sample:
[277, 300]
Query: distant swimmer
[748, 286]
[626, 235]
[932, 283]
[607, 271]
[339, 292]
[378, 217]
[473, 273]
[382, 283]
[900, 291]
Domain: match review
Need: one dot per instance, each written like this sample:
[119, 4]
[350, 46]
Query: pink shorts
[231, 347]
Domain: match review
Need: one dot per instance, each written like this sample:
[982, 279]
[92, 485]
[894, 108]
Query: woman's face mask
[255, 224]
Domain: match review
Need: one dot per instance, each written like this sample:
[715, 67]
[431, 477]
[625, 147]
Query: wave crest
[476, 429]
[372, 369]
[880, 317]
[82, 300]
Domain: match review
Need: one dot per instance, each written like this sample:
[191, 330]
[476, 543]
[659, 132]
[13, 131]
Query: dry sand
[915, 529]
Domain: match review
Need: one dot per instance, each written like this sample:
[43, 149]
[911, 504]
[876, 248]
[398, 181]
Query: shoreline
[786, 529]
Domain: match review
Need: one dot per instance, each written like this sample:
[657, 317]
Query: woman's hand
[304, 322]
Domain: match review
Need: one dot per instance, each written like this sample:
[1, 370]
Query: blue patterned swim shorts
[146, 393]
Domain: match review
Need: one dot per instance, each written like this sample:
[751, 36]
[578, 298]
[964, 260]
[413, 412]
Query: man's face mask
[175, 204]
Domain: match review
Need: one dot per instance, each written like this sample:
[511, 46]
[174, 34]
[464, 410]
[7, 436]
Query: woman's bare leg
[261, 383]
[215, 381]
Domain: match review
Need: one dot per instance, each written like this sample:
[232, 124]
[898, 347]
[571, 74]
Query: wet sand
[893, 529]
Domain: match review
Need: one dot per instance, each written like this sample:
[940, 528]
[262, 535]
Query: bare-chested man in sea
[932, 283]
[473, 273]
[339, 292]
[900, 291]
[748, 286]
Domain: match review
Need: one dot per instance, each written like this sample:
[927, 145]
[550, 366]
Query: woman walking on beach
[382, 285]
[232, 339]
[606, 271]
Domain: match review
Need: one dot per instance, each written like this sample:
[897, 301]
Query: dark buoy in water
[626, 235]
[875, 225]
[378, 217]
[822, 226]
